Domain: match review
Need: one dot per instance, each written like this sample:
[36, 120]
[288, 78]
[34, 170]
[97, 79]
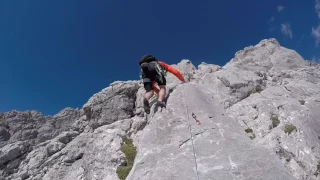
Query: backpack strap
[161, 73]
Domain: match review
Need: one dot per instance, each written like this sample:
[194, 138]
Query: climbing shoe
[161, 104]
[146, 105]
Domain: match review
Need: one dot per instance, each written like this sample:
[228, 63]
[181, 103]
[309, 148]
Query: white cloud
[316, 34]
[317, 6]
[286, 30]
[280, 8]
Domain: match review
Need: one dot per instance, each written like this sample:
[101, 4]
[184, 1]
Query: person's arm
[172, 70]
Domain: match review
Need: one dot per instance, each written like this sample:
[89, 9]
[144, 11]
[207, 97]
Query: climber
[154, 71]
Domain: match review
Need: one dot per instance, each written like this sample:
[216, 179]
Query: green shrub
[253, 136]
[123, 171]
[259, 90]
[275, 121]
[289, 128]
[130, 152]
[302, 102]
[3, 122]
[249, 130]
[318, 170]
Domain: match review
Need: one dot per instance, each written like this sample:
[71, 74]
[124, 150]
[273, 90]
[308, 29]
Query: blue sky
[57, 54]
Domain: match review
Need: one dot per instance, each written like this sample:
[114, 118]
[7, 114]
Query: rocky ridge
[259, 119]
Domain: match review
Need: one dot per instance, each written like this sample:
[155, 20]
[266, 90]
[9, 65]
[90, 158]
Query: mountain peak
[265, 56]
[257, 117]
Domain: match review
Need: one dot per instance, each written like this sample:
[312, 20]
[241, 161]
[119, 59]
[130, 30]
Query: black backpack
[149, 64]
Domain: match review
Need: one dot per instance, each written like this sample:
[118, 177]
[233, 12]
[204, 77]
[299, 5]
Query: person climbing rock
[154, 71]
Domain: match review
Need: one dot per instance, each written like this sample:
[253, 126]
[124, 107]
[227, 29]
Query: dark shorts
[148, 84]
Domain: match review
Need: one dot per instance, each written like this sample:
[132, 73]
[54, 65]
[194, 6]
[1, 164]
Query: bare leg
[162, 93]
[148, 95]
[146, 98]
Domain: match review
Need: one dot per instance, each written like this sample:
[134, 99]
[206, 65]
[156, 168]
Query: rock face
[33, 127]
[222, 148]
[111, 104]
[259, 119]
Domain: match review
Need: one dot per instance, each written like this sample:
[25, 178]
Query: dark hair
[146, 58]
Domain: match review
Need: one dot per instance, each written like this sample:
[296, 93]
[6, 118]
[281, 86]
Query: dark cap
[146, 58]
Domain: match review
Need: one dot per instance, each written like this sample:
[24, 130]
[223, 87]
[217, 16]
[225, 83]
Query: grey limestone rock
[114, 102]
[266, 55]
[223, 151]
[259, 119]
[87, 156]
[205, 69]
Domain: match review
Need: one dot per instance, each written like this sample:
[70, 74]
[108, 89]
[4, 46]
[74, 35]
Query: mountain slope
[259, 118]
[223, 150]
